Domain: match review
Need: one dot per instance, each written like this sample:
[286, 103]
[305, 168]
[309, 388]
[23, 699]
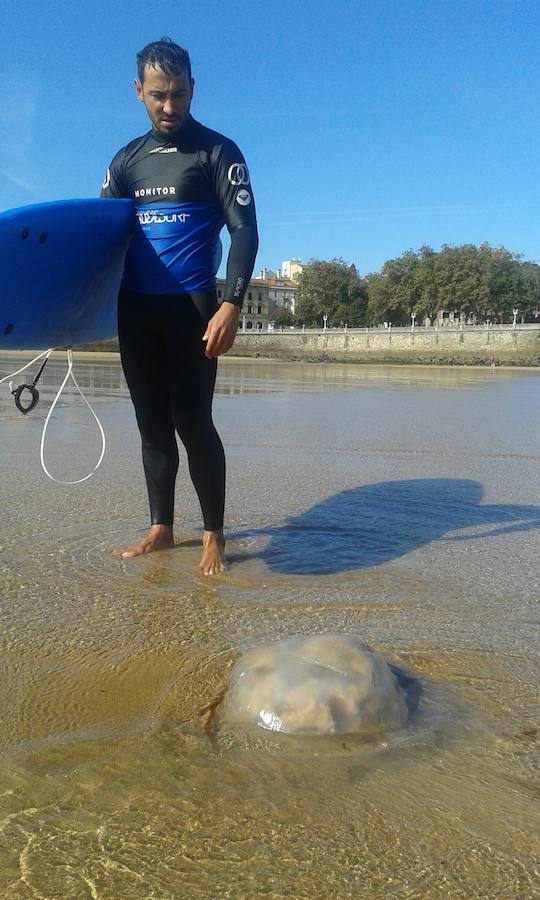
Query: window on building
[249, 310]
[259, 310]
[219, 295]
[250, 297]
[249, 325]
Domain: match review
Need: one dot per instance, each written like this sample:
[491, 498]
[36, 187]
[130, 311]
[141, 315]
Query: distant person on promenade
[187, 182]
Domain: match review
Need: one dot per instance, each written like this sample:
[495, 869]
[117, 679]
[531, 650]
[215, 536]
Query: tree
[479, 282]
[395, 291]
[528, 301]
[333, 289]
[282, 316]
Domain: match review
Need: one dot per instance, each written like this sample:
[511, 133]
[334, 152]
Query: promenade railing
[402, 329]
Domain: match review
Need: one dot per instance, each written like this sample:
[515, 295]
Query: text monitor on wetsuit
[185, 189]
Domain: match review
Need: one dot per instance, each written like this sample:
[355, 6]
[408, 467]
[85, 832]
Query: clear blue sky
[370, 127]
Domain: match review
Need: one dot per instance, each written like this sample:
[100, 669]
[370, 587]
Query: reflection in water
[101, 374]
[401, 505]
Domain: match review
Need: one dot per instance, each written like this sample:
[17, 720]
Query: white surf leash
[69, 374]
[35, 397]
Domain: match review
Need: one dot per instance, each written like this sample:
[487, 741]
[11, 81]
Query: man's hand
[221, 330]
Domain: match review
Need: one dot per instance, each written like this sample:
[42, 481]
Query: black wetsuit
[185, 188]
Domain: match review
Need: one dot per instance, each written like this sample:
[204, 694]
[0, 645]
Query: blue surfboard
[61, 265]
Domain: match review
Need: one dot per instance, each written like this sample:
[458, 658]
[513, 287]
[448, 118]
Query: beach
[399, 504]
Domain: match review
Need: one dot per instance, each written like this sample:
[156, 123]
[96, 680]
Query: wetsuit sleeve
[114, 183]
[235, 196]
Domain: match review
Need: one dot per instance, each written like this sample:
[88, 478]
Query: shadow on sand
[372, 524]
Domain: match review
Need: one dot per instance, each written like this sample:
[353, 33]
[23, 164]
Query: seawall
[469, 345]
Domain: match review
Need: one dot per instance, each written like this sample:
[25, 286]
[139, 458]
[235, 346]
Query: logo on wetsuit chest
[153, 217]
[155, 192]
[164, 150]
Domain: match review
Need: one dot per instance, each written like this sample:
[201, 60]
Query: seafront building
[290, 269]
[266, 294]
[255, 311]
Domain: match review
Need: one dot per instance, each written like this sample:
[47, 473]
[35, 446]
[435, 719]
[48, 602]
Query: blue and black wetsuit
[186, 187]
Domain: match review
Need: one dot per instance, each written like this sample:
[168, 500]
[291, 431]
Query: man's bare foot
[213, 555]
[159, 537]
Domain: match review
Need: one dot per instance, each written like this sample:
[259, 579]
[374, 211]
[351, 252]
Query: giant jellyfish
[320, 684]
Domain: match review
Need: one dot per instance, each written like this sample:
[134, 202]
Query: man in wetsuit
[187, 182]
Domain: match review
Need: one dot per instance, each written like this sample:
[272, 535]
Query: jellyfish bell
[323, 684]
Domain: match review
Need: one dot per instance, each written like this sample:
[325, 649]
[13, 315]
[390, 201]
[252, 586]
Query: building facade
[266, 294]
[255, 310]
[280, 294]
[290, 269]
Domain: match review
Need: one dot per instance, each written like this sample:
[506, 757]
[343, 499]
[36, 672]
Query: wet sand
[401, 504]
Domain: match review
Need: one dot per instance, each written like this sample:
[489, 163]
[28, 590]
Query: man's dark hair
[166, 55]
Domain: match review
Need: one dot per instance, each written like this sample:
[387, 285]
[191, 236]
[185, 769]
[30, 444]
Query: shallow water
[398, 504]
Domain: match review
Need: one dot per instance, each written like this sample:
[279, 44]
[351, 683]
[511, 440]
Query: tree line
[475, 283]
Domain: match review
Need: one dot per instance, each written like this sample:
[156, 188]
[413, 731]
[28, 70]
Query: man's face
[167, 98]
